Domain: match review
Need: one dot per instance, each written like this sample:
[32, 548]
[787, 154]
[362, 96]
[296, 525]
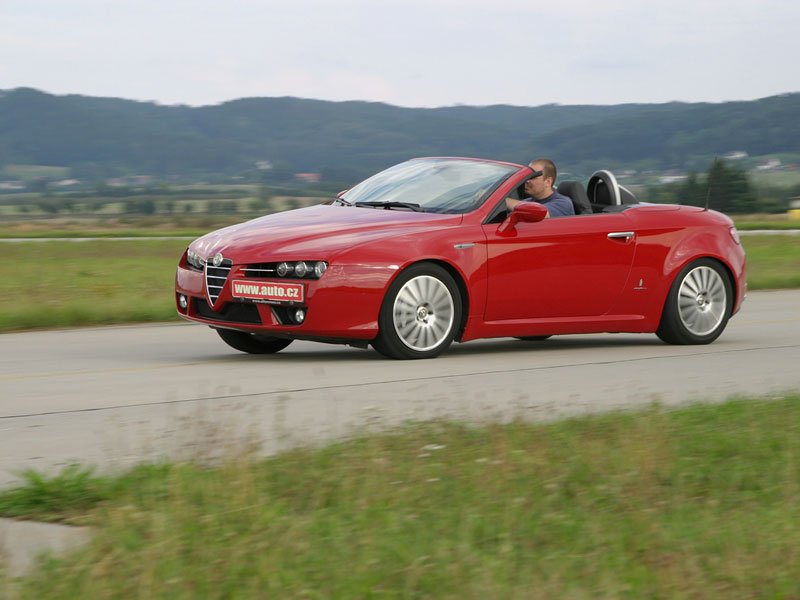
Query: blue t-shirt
[557, 205]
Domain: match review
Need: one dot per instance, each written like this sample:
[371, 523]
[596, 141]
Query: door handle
[621, 235]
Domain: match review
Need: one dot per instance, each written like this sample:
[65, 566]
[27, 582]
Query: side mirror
[526, 212]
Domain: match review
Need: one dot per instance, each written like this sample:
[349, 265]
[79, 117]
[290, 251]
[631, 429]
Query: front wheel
[698, 306]
[420, 314]
[252, 343]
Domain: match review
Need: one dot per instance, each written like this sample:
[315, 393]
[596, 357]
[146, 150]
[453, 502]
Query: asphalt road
[114, 396]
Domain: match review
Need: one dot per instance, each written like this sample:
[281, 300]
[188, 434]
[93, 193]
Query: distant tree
[141, 207]
[101, 188]
[663, 194]
[772, 199]
[217, 207]
[729, 190]
[39, 185]
[281, 172]
[692, 192]
[293, 203]
[47, 206]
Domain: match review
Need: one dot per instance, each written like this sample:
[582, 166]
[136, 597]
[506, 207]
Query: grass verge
[698, 502]
[89, 283]
[767, 225]
[772, 263]
[107, 281]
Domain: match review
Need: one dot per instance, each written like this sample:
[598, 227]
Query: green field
[701, 502]
[111, 281]
[30, 172]
[86, 283]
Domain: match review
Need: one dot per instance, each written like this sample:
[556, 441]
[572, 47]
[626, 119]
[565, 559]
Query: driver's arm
[511, 203]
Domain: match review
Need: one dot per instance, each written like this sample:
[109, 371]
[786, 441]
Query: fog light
[299, 315]
[184, 303]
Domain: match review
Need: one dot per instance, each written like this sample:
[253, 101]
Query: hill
[103, 137]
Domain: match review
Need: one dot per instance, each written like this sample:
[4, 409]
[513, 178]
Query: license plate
[267, 292]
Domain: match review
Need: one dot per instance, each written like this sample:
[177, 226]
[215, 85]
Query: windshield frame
[427, 180]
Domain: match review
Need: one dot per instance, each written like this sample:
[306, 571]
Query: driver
[540, 189]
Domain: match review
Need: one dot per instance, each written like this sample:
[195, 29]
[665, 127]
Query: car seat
[575, 192]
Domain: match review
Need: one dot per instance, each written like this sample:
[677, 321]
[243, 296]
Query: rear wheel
[252, 343]
[698, 306]
[420, 314]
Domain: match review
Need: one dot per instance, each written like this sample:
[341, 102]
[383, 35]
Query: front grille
[233, 312]
[215, 279]
[260, 270]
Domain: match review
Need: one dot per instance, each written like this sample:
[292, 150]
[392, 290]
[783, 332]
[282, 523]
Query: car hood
[314, 233]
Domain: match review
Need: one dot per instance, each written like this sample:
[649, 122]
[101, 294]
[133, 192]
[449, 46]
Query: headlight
[194, 259]
[300, 269]
[283, 269]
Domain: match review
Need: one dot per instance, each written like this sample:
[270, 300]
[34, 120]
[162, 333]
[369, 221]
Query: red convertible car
[425, 253]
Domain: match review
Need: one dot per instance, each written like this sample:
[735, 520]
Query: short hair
[549, 168]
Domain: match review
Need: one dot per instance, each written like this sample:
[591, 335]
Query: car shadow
[555, 343]
[478, 347]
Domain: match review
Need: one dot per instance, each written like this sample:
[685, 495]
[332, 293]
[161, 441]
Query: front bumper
[336, 308]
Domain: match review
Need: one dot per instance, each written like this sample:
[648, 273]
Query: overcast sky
[409, 52]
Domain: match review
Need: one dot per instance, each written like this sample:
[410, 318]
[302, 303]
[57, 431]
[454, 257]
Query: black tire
[535, 338]
[252, 343]
[420, 314]
[698, 305]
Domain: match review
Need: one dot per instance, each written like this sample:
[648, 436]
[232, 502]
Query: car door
[564, 267]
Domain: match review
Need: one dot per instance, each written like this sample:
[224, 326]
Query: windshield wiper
[387, 205]
[342, 201]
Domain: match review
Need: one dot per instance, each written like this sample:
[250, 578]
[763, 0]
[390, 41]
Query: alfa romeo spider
[426, 253]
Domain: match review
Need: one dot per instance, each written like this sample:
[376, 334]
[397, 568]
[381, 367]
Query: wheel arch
[707, 242]
[677, 271]
[457, 276]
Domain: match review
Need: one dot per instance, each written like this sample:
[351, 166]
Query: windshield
[442, 185]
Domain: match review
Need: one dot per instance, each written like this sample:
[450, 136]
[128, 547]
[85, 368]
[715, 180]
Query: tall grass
[702, 502]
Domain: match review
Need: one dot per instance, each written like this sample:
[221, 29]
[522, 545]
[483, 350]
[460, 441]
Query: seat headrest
[575, 192]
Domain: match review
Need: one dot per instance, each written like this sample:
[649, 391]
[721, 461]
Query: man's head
[541, 186]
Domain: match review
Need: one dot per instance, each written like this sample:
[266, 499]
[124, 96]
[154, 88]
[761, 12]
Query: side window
[519, 192]
[500, 212]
